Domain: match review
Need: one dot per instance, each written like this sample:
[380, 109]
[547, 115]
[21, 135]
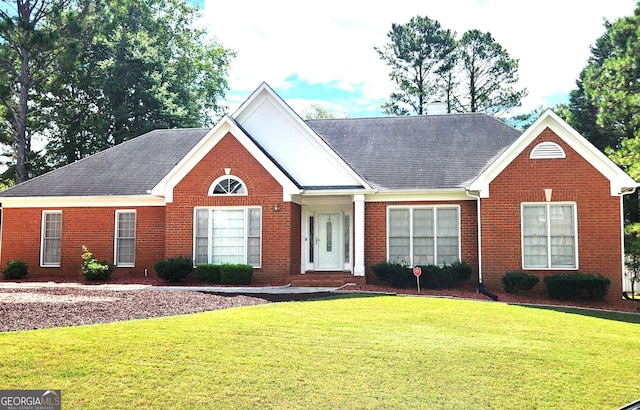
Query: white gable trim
[620, 182]
[264, 94]
[165, 187]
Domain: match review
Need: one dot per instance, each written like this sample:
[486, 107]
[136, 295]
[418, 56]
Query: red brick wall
[280, 257]
[571, 179]
[90, 226]
[376, 233]
[94, 226]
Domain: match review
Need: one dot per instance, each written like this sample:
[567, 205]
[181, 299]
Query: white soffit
[293, 145]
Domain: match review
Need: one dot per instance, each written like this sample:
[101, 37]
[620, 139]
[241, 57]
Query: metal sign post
[417, 271]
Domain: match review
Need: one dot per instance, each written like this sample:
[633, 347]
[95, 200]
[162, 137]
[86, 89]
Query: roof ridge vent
[547, 150]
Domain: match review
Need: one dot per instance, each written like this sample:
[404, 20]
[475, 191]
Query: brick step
[325, 279]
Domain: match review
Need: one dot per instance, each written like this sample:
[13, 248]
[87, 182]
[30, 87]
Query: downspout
[624, 192]
[481, 288]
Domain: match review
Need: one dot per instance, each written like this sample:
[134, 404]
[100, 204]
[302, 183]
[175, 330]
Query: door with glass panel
[328, 241]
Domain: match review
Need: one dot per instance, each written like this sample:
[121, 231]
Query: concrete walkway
[238, 290]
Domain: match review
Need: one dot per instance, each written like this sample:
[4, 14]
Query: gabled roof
[128, 169]
[306, 157]
[412, 153]
[164, 187]
[620, 182]
[417, 152]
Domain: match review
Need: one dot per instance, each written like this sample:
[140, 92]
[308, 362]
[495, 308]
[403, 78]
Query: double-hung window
[51, 238]
[228, 235]
[549, 233]
[125, 246]
[422, 235]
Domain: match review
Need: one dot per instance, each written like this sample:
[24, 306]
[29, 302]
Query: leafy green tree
[606, 105]
[611, 80]
[489, 75]
[29, 40]
[584, 108]
[138, 65]
[417, 54]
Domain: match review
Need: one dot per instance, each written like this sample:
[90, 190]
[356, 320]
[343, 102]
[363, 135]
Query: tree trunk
[21, 131]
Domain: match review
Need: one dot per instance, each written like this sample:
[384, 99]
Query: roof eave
[84, 201]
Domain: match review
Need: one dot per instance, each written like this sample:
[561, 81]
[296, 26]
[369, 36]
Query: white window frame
[435, 209]
[43, 240]
[116, 236]
[549, 265]
[212, 209]
[225, 177]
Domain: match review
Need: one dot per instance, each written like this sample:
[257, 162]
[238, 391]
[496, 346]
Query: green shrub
[577, 286]
[514, 282]
[463, 269]
[91, 269]
[437, 277]
[15, 269]
[208, 273]
[232, 274]
[399, 275]
[444, 277]
[174, 269]
[395, 274]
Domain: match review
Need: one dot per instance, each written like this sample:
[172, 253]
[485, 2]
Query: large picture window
[51, 238]
[549, 236]
[125, 235]
[424, 235]
[228, 235]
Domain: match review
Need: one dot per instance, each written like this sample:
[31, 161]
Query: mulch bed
[466, 291]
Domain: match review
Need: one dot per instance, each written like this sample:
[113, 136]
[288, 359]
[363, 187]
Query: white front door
[328, 241]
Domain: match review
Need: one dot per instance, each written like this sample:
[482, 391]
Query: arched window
[228, 185]
[547, 150]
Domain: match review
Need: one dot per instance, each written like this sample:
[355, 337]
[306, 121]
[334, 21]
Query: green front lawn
[369, 352]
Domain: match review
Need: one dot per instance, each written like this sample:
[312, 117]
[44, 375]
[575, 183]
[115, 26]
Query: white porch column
[358, 235]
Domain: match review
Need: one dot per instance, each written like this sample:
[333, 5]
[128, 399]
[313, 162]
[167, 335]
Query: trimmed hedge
[235, 274]
[433, 277]
[208, 273]
[577, 286]
[15, 269]
[395, 274]
[174, 269]
[514, 282]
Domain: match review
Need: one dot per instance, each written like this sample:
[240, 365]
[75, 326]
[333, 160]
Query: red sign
[417, 271]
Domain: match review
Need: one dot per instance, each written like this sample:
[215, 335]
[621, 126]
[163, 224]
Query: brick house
[321, 201]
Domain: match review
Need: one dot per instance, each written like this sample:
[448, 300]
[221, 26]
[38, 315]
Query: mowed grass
[368, 352]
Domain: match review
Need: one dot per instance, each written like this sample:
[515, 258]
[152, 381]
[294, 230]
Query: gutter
[481, 288]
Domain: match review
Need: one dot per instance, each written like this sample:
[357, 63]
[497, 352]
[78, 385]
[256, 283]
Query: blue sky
[322, 52]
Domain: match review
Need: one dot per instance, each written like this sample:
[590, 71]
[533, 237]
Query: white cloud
[332, 41]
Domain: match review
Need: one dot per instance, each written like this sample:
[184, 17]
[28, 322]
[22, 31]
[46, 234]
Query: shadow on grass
[298, 297]
[600, 314]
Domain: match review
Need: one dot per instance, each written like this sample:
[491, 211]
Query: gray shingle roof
[130, 168]
[414, 152]
[417, 152]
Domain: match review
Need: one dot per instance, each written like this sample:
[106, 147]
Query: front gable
[292, 143]
[226, 128]
[535, 143]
